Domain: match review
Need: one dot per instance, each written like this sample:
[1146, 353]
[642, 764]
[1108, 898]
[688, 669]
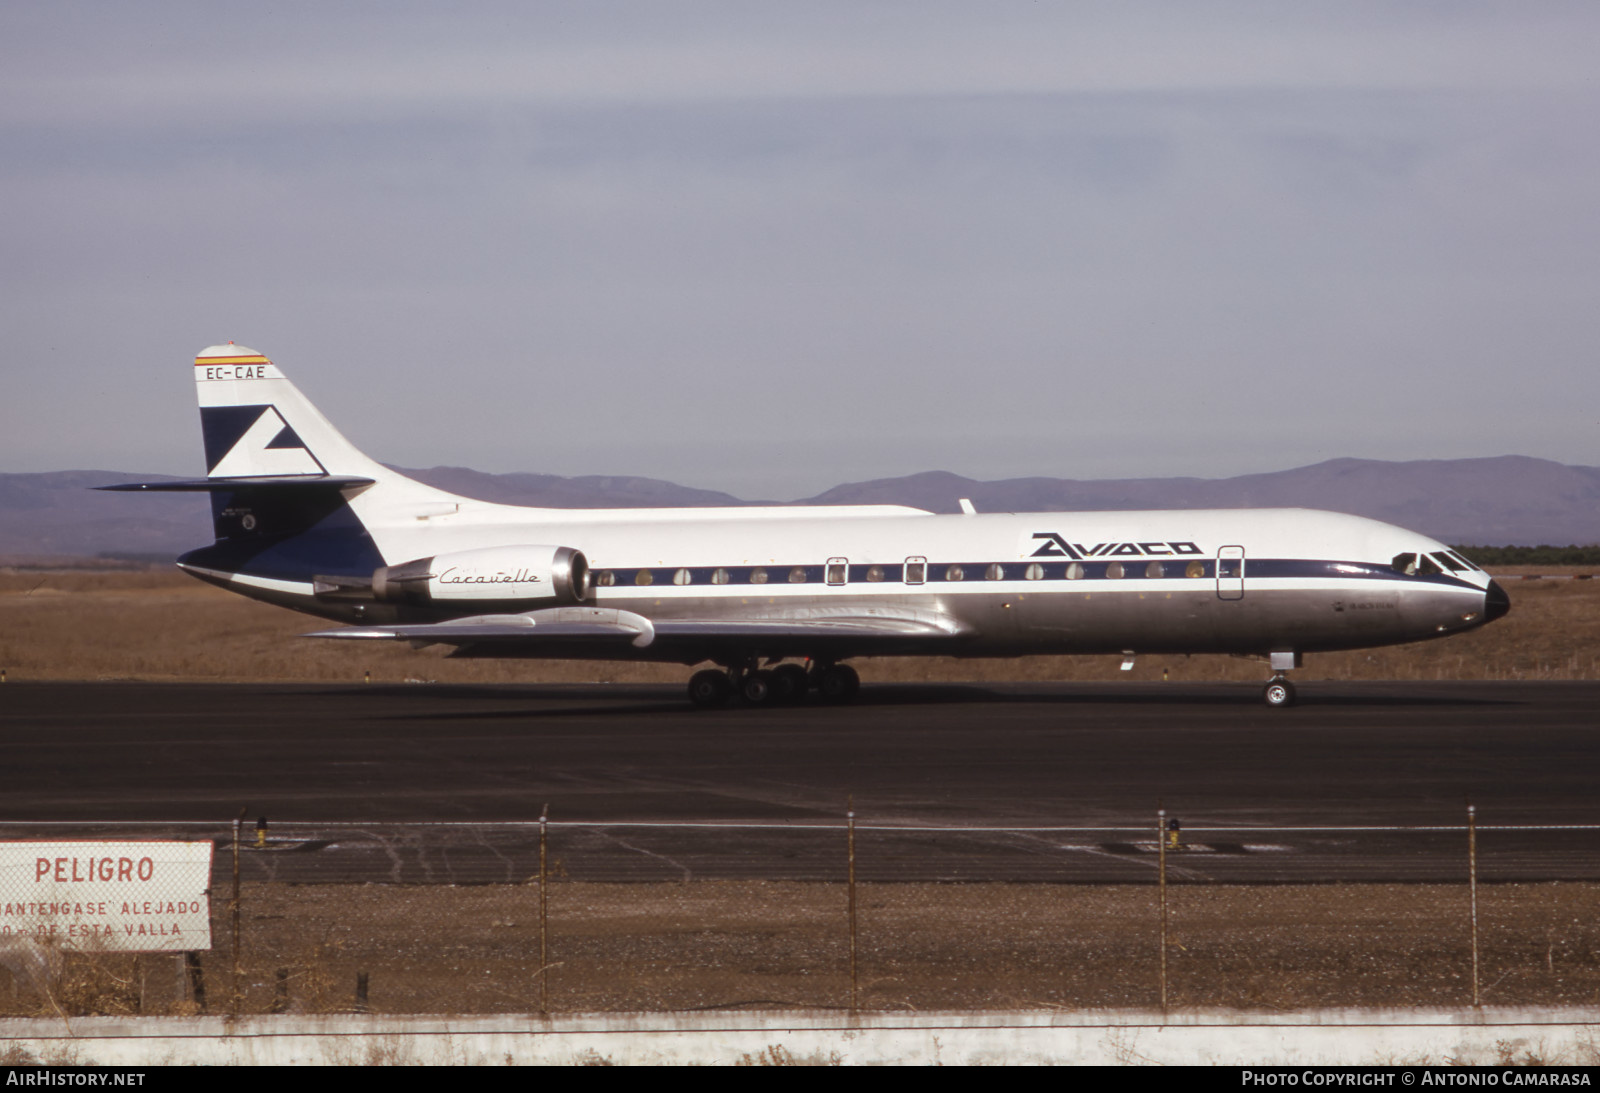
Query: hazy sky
[768, 248]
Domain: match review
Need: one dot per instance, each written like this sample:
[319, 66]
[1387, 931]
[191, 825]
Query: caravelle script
[454, 575]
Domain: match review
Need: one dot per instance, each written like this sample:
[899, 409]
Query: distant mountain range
[1498, 501]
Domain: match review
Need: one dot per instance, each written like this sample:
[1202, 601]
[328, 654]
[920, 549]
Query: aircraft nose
[1495, 602]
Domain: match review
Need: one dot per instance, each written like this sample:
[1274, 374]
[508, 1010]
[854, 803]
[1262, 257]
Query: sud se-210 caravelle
[781, 598]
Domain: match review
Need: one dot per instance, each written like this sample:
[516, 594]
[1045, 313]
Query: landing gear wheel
[710, 689]
[838, 683]
[1278, 694]
[789, 684]
[757, 688]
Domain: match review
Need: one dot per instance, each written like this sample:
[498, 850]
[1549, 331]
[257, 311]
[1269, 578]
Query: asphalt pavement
[1063, 782]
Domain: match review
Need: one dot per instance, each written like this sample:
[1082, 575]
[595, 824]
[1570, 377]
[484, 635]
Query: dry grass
[93, 983]
[732, 944]
[162, 625]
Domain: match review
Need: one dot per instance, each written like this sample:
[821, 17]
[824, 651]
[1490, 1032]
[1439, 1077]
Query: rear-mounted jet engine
[499, 576]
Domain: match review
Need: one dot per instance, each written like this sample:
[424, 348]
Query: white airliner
[781, 598]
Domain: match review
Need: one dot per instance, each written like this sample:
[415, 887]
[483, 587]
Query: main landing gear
[784, 685]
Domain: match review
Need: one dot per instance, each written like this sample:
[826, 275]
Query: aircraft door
[1230, 573]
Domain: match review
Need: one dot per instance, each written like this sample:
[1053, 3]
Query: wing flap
[846, 626]
[821, 633]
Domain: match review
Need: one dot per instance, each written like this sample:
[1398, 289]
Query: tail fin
[288, 491]
[291, 499]
[257, 424]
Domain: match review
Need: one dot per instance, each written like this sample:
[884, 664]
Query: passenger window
[605, 578]
[644, 576]
[996, 572]
[954, 573]
[1154, 570]
[875, 573]
[1034, 572]
[916, 570]
[838, 571]
[1114, 571]
[1195, 570]
[681, 577]
[758, 576]
[719, 576]
[797, 575]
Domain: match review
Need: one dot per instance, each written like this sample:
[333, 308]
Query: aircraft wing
[593, 631]
[561, 624]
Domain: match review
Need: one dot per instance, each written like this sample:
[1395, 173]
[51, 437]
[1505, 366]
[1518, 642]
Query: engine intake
[498, 575]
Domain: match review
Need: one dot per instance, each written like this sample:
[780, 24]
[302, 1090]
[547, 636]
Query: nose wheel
[1278, 693]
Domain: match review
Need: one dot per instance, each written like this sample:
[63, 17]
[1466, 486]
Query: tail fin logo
[252, 441]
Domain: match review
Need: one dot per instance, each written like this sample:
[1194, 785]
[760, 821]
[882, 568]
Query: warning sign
[107, 896]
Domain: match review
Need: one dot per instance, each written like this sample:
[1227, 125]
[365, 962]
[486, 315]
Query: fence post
[233, 906]
[544, 915]
[850, 840]
[1161, 886]
[197, 982]
[1472, 884]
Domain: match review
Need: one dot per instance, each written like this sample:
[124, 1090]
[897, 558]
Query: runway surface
[375, 782]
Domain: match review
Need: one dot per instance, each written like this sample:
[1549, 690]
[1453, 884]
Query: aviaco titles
[781, 599]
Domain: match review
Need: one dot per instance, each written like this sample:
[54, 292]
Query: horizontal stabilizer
[214, 485]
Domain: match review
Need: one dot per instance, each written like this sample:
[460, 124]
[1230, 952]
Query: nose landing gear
[1279, 692]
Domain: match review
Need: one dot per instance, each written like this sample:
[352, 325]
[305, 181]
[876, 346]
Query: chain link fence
[589, 915]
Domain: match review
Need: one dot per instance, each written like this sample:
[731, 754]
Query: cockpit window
[1427, 567]
[1405, 563]
[1464, 560]
[1443, 558]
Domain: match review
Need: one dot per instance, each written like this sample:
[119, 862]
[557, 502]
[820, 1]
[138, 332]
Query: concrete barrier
[1306, 1038]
